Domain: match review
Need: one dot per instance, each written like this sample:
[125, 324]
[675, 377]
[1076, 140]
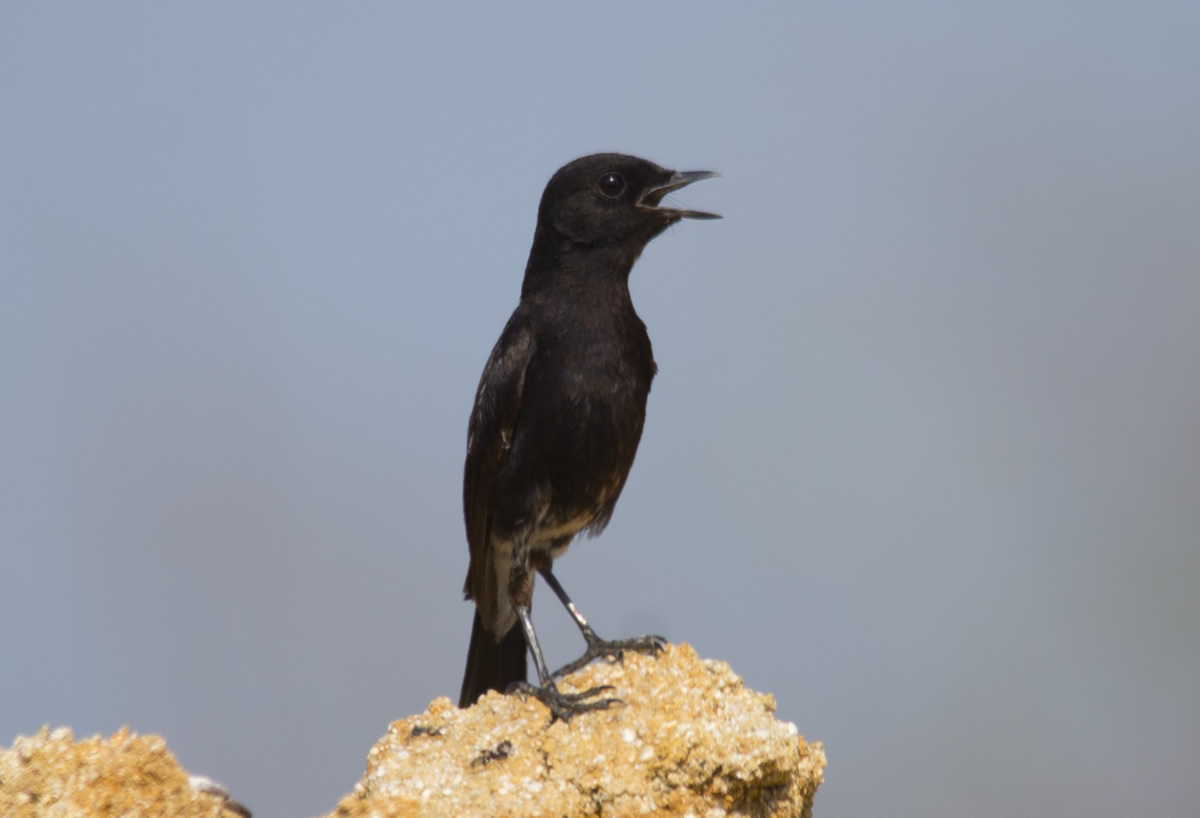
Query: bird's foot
[565, 705]
[612, 649]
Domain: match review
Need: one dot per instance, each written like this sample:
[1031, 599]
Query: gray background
[923, 458]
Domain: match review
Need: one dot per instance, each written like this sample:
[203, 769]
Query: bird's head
[608, 197]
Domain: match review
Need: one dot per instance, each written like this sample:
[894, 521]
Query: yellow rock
[126, 774]
[689, 738]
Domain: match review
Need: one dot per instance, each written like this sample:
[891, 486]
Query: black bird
[558, 415]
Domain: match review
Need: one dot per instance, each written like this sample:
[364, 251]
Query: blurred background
[922, 459]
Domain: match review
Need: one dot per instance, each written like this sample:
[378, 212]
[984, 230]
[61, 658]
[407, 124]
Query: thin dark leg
[596, 647]
[562, 705]
[535, 647]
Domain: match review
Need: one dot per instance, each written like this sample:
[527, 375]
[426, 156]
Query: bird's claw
[612, 649]
[563, 706]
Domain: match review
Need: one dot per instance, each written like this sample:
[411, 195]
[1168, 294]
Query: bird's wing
[489, 436]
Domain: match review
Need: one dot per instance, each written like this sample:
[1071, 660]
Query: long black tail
[492, 665]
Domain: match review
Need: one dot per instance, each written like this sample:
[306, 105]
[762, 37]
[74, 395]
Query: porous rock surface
[688, 739]
[51, 774]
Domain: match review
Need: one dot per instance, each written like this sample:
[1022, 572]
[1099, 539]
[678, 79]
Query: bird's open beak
[680, 179]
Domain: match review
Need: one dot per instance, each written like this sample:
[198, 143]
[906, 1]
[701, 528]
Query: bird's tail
[492, 665]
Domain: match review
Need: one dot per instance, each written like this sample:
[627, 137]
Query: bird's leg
[562, 705]
[596, 647]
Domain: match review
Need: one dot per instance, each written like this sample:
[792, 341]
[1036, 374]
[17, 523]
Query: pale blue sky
[922, 460]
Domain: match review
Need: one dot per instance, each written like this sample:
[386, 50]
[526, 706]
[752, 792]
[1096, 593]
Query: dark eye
[612, 185]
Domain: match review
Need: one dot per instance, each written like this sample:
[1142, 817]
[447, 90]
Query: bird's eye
[612, 185]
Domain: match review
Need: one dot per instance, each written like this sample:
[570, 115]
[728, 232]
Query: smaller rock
[50, 773]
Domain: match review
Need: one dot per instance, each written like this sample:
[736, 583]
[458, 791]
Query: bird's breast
[583, 407]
